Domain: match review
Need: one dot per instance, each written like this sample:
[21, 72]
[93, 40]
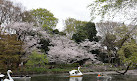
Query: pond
[89, 77]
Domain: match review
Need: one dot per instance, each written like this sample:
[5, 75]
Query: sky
[62, 9]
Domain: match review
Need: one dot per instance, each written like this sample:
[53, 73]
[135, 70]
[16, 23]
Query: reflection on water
[104, 79]
[22, 78]
[75, 78]
[84, 78]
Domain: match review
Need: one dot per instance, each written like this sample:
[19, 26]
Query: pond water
[64, 77]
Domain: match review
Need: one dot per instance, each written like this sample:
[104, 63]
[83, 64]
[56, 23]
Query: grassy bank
[65, 68]
[60, 68]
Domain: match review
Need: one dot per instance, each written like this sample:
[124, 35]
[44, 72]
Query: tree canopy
[10, 12]
[72, 25]
[11, 51]
[87, 31]
[114, 8]
[44, 18]
[128, 52]
[37, 60]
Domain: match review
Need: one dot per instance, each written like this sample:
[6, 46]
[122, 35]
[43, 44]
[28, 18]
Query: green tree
[128, 54]
[87, 31]
[90, 30]
[44, 45]
[72, 25]
[79, 36]
[44, 18]
[118, 8]
[10, 51]
[80, 30]
[116, 41]
[37, 60]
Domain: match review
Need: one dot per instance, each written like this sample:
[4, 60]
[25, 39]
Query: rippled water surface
[63, 77]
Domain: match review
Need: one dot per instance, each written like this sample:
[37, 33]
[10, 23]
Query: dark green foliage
[10, 51]
[95, 51]
[87, 31]
[62, 33]
[97, 38]
[72, 26]
[90, 30]
[56, 31]
[128, 52]
[79, 36]
[44, 45]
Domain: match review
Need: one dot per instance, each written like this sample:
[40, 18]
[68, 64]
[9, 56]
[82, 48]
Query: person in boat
[102, 75]
[99, 74]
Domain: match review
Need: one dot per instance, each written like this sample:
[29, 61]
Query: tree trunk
[123, 73]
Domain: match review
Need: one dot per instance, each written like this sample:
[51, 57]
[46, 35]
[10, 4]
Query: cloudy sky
[61, 9]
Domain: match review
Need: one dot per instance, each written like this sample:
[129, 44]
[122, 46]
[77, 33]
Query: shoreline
[129, 72]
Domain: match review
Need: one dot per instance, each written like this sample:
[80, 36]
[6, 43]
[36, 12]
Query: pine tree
[10, 51]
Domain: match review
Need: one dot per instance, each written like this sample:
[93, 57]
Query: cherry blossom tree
[61, 48]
